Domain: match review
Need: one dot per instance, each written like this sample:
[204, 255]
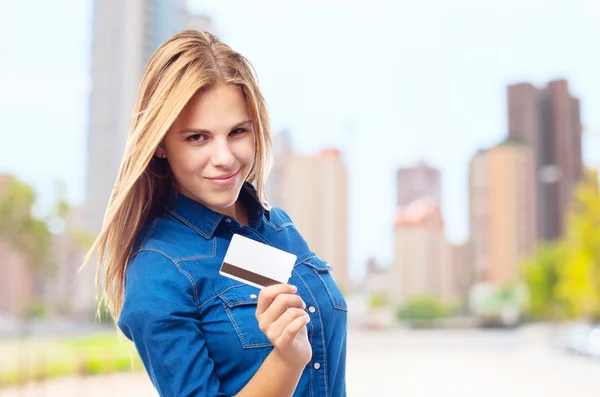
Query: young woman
[192, 175]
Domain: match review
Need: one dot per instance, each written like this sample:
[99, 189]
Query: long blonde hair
[187, 62]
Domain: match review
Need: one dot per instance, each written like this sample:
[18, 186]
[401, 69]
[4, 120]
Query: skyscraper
[548, 120]
[200, 22]
[282, 148]
[502, 211]
[417, 181]
[314, 192]
[125, 33]
[124, 36]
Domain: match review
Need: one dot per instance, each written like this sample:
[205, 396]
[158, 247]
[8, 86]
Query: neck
[240, 213]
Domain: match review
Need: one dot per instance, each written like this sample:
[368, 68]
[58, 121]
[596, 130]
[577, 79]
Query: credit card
[255, 263]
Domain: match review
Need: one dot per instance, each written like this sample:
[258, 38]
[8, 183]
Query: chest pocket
[240, 306]
[323, 272]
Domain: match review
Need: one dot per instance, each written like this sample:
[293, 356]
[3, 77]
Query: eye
[238, 131]
[196, 138]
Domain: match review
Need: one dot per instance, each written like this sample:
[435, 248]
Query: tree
[542, 275]
[564, 276]
[19, 228]
[422, 309]
[579, 278]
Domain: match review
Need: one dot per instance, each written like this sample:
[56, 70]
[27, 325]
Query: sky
[388, 82]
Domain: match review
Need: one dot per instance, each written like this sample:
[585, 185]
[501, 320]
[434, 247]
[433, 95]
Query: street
[427, 363]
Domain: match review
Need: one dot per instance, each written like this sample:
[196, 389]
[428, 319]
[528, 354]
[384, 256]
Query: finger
[291, 331]
[268, 294]
[277, 327]
[281, 303]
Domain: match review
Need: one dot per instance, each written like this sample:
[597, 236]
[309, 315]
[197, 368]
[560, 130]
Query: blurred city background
[443, 157]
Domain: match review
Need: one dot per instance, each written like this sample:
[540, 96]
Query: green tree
[422, 309]
[19, 228]
[541, 274]
[563, 277]
[579, 278]
[378, 300]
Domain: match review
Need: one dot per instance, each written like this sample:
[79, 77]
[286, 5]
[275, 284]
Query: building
[17, 282]
[124, 36]
[417, 181]
[17, 279]
[200, 22]
[548, 120]
[456, 277]
[62, 290]
[282, 149]
[419, 250]
[314, 193]
[377, 280]
[502, 211]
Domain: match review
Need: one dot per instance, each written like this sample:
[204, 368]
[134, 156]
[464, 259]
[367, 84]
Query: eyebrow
[203, 131]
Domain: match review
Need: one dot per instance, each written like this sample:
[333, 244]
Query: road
[491, 363]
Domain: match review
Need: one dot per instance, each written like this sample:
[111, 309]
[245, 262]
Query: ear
[160, 152]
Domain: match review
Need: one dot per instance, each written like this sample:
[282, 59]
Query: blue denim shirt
[196, 330]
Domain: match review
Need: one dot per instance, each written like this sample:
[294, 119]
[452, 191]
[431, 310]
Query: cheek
[186, 163]
[249, 150]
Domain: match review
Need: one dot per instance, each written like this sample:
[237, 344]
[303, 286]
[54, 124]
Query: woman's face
[210, 148]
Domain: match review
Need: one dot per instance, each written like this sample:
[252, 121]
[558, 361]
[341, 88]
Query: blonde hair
[186, 63]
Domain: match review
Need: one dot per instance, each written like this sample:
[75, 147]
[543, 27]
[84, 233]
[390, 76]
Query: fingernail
[294, 288]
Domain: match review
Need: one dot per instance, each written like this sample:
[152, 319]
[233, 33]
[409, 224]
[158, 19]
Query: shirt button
[253, 296]
[317, 365]
[228, 220]
[312, 309]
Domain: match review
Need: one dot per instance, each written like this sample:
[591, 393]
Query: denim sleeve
[160, 316]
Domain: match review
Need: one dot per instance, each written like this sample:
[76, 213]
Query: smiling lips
[225, 180]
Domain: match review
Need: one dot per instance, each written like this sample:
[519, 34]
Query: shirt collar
[204, 220]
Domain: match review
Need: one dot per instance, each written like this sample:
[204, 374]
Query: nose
[222, 156]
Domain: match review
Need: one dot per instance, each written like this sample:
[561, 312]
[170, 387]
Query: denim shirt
[196, 331]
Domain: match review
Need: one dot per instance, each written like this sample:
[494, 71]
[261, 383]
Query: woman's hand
[281, 317]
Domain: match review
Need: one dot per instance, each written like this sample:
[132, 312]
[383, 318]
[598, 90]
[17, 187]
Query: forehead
[218, 107]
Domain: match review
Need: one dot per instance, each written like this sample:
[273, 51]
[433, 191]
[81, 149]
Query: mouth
[225, 181]
[224, 177]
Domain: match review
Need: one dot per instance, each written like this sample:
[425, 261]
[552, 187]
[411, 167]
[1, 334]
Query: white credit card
[255, 263]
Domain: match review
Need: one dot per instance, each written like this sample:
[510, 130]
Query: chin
[223, 200]
[221, 204]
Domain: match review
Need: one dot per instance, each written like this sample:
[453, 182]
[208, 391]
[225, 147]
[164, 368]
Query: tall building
[502, 211]
[314, 192]
[548, 120]
[417, 181]
[282, 148]
[200, 22]
[425, 263]
[124, 36]
[456, 277]
[419, 249]
[125, 33]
